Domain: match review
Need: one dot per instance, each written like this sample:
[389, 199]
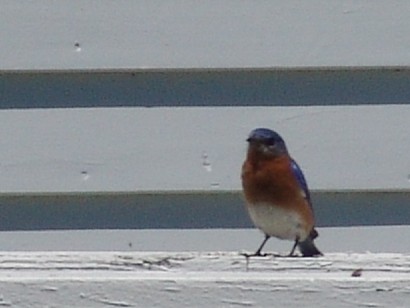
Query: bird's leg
[293, 248]
[258, 252]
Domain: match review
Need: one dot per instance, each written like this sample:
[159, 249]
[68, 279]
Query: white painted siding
[103, 34]
[201, 149]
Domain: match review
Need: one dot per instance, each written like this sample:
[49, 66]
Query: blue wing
[301, 179]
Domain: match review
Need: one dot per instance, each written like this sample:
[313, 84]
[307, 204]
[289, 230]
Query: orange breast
[272, 181]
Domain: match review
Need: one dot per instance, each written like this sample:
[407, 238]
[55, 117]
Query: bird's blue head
[267, 142]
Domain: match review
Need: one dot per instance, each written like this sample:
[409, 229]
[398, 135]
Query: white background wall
[200, 149]
[104, 34]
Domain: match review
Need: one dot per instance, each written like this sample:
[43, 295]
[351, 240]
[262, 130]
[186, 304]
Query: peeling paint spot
[85, 175]
[77, 46]
[238, 303]
[49, 289]
[172, 290]
[357, 273]
[4, 303]
[114, 303]
[205, 162]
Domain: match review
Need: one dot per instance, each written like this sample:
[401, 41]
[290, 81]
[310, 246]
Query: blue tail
[308, 247]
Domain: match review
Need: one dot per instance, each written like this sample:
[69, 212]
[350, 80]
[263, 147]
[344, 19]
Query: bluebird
[276, 193]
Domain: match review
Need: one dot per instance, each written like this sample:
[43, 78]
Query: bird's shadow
[264, 255]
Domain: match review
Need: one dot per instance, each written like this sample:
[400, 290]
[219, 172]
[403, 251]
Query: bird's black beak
[252, 140]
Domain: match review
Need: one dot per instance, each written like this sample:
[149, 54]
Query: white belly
[275, 221]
